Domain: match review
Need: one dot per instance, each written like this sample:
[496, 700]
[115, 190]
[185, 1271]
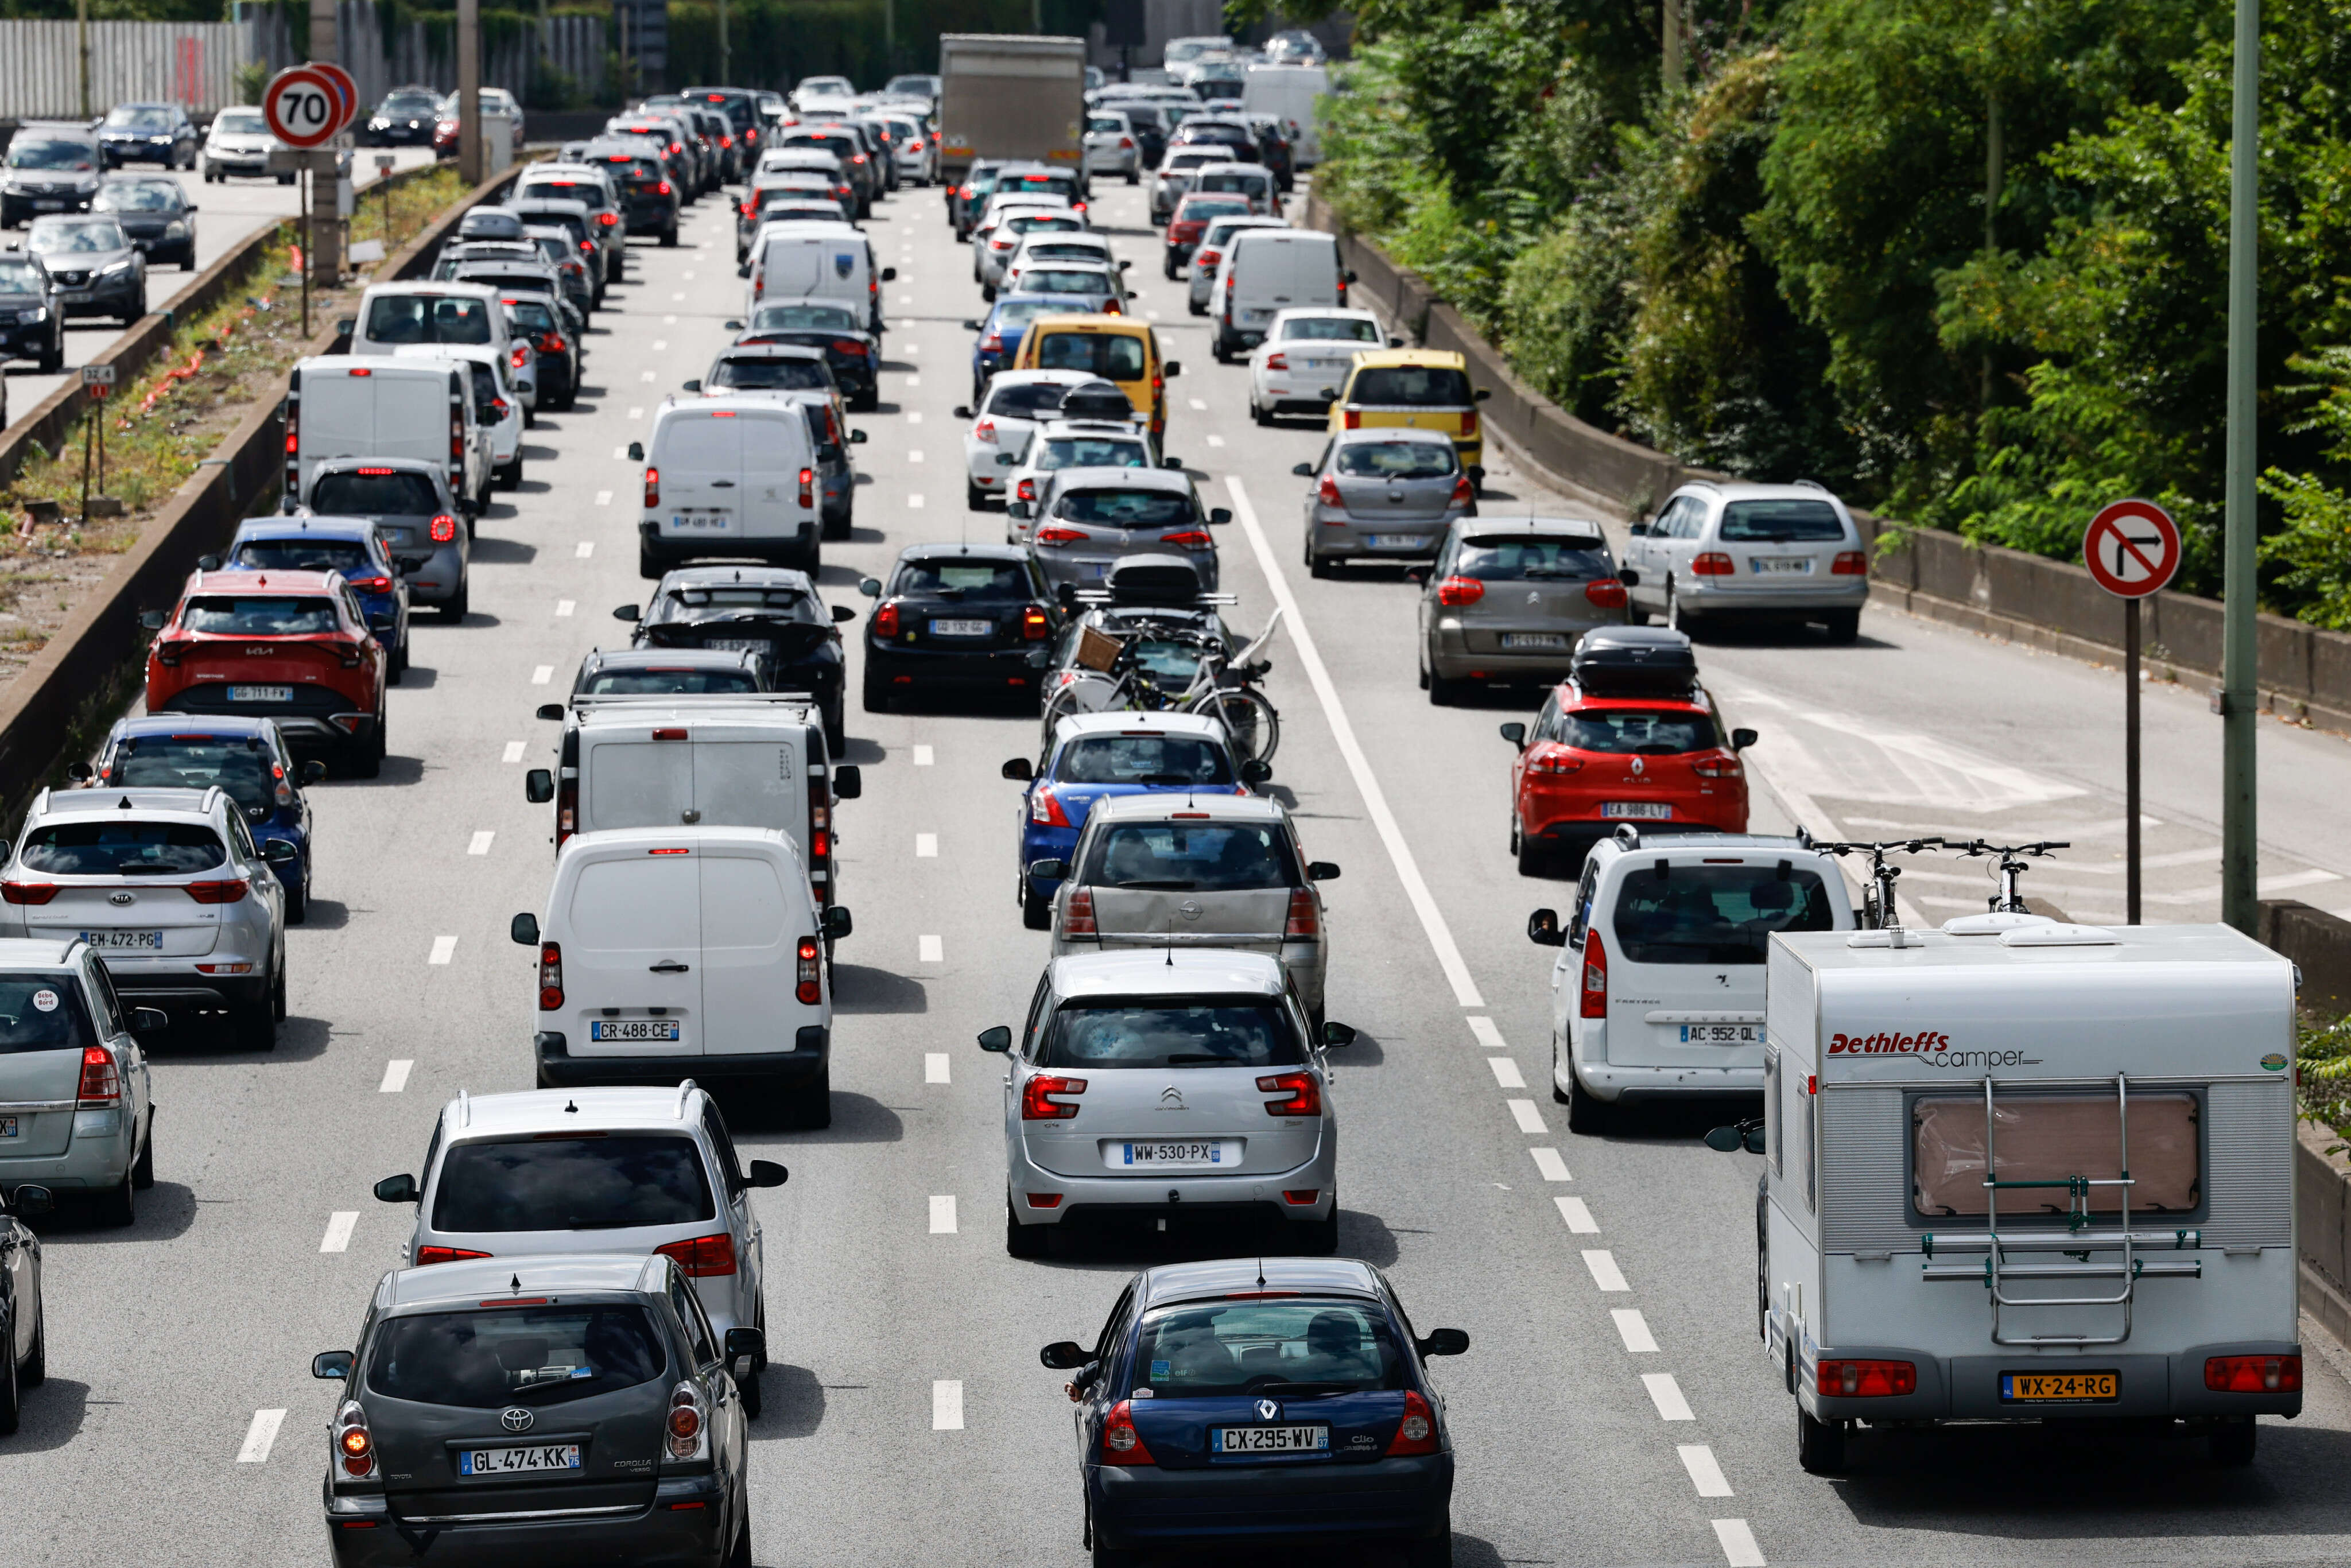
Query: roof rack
[584, 700]
[684, 1090]
[1811, 485]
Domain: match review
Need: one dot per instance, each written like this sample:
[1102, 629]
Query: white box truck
[1290, 92]
[1010, 96]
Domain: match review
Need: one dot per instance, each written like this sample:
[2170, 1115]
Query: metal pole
[2239, 896]
[725, 72]
[85, 432]
[81, 40]
[305, 231]
[2130, 758]
[889, 35]
[469, 91]
[1669, 30]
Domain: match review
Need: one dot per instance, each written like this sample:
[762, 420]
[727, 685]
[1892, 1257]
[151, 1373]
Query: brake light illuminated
[1354, 419]
[1190, 539]
[1869, 1379]
[374, 473]
[886, 622]
[1304, 921]
[1460, 591]
[550, 975]
[847, 346]
[551, 343]
[1417, 1433]
[810, 989]
[521, 356]
[662, 189]
[985, 431]
[1463, 491]
[808, 486]
[653, 487]
[370, 584]
[607, 219]
[1121, 1442]
[102, 1085]
[1035, 625]
[28, 891]
[704, 1257]
[1037, 1102]
[445, 1255]
[1849, 563]
[1045, 808]
[1277, 362]
[1077, 919]
[444, 528]
[354, 1444]
[1605, 593]
[1301, 1096]
[2253, 1374]
[1596, 978]
[229, 892]
[1713, 563]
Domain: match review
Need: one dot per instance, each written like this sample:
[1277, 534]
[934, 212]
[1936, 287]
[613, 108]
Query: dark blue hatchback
[999, 342]
[1261, 1401]
[245, 755]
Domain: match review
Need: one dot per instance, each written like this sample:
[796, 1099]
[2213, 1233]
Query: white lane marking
[260, 1436]
[1487, 1035]
[587, 547]
[339, 1230]
[1604, 1273]
[1198, 407]
[1634, 1329]
[1578, 1217]
[678, 298]
[543, 674]
[621, 454]
[1529, 1119]
[634, 414]
[1666, 1395]
[659, 344]
[947, 1404]
[396, 1075]
[603, 498]
[914, 503]
[943, 1214]
[644, 375]
[2296, 879]
[906, 300]
[914, 454]
[1216, 441]
[1376, 802]
[480, 844]
[444, 949]
[1704, 1472]
[1547, 1161]
[1506, 1072]
[1154, 315]
[669, 320]
[922, 757]
[915, 417]
[931, 949]
[909, 348]
[1739, 1548]
[912, 380]
[935, 1067]
[566, 606]
[927, 846]
[513, 752]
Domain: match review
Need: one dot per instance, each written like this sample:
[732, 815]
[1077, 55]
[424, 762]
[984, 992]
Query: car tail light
[808, 486]
[886, 622]
[1000, 245]
[1719, 768]
[1469, 422]
[444, 528]
[1868, 1379]
[446, 1255]
[1206, 258]
[684, 1430]
[566, 809]
[1121, 1442]
[1277, 362]
[102, 1085]
[1464, 492]
[1554, 762]
[28, 891]
[704, 1257]
[1605, 593]
[810, 988]
[228, 891]
[1460, 591]
[354, 1444]
[1596, 978]
[373, 473]
[1026, 490]
[552, 343]
[285, 785]
[1304, 921]
[653, 487]
[985, 431]
[1126, 143]
[661, 189]
[1303, 1196]
[1354, 419]
[1189, 538]
[1037, 1102]
[1417, 1433]
[1045, 808]
[609, 220]
[847, 346]
[1327, 492]
[1035, 624]
[1078, 920]
[550, 975]
[370, 584]
[1849, 563]
[1051, 536]
[2252, 1374]
[1111, 308]
[1713, 563]
[1301, 1096]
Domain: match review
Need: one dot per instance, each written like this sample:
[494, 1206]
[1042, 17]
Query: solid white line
[339, 1230]
[260, 1436]
[1634, 1329]
[1506, 1072]
[566, 606]
[927, 846]
[931, 949]
[396, 1075]
[1529, 1119]
[1376, 802]
[513, 752]
[914, 503]
[1547, 1161]
[603, 498]
[1487, 1035]
[480, 843]
[444, 949]
[587, 547]
[1704, 1472]
[1579, 1217]
[943, 1214]
[935, 1067]
[542, 674]
[1604, 1273]
[922, 757]
[947, 1404]
[1666, 1395]
[1739, 1548]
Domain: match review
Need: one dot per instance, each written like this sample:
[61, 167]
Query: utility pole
[1670, 36]
[726, 72]
[81, 38]
[469, 91]
[2240, 670]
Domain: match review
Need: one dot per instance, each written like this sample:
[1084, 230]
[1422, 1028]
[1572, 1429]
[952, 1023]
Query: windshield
[240, 122]
[1026, 399]
[1396, 459]
[19, 275]
[360, 494]
[1330, 330]
[346, 556]
[42, 1012]
[249, 774]
[1411, 386]
[1156, 1033]
[39, 152]
[767, 604]
[1781, 522]
[607, 1182]
[1126, 508]
[1167, 759]
[113, 848]
[985, 582]
[1183, 857]
[140, 116]
[1623, 732]
[138, 196]
[1715, 914]
[276, 615]
[1508, 558]
[428, 318]
[1091, 452]
[409, 103]
[673, 681]
[1224, 1348]
[85, 238]
[771, 375]
[536, 1356]
[821, 317]
[1113, 356]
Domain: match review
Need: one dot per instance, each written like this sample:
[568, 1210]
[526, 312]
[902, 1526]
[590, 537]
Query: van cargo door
[636, 783]
[751, 784]
[700, 456]
[775, 452]
[632, 956]
[749, 950]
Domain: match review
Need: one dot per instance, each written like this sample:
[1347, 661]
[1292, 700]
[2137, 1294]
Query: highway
[1614, 1407]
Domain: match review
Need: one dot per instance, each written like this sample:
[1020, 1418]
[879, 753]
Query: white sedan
[1018, 402]
[1305, 357]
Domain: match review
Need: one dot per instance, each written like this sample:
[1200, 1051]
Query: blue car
[999, 343]
[1263, 1402]
[349, 545]
[245, 755]
[1096, 756]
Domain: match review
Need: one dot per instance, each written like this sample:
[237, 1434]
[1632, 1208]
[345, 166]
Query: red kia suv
[1592, 762]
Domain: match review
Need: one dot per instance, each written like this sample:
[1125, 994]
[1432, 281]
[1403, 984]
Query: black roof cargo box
[1634, 662]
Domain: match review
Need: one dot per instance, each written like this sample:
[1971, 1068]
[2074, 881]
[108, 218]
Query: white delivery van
[1270, 270]
[817, 261]
[2016, 1170]
[497, 405]
[1253, 183]
[343, 405]
[730, 477]
[686, 952]
[1291, 93]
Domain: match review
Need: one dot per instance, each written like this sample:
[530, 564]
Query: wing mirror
[1174, 463]
[1395, 341]
[550, 711]
[1419, 574]
[1019, 769]
[636, 452]
[277, 851]
[973, 327]
[1442, 1342]
[841, 613]
[889, 274]
[749, 1343]
[32, 1200]
[857, 438]
[1482, 393]
[1220, 515]
[732, 325]
[333, 1363]
[1348, 276]
[1048, 870]
[1747, 1135]
[1629, 575]
[765, 1173]
[1330, 394]
[1172, 369]
[1322, 871]
[628, 613]
[1542, 929]
[313, 773]
[870, 586]
[152, 619]
[693, 386]
[1303, 470]
[538, 786]
[1335, 1033]
[148, 1020]
[1638, 528]
[1005, 459]
[837, 923]
[996, 1039]
[208, 563]
[1256, 771]
[397, 1190]
[1064, 1356]
[523, 929]
[1741, 739]
[1516, 734]
[1125, 265]
[80, 772]
[1019, 510]
[961, 411]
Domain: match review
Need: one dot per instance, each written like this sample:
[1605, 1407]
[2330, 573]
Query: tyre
[836, 726]
[1533, 854]
[1432, 1550]
[2232, 1440]
[649, 566]
[1844, 625]
[11, 1394]
[1260, 415]
[1586, 1113]
[254, 1024]
[811, 1105]
[117, 1205]
[1036, 914]
[1820, 1445]
[1023, 1240]
[1110, 1557]
[1443, 692]
[454, 610]
[54, 360]
[1133, 177]
[837, 530]
[36, 1370]
[1679, 619]
[973, 498]
[285, 179]
[368, 763]
[748, 1387]
[277, 989]
[506, 475]
[1252, 722]
[142, 1169]
[739, 1554]
[669, 238]
[877, 694]
[1557, 1093]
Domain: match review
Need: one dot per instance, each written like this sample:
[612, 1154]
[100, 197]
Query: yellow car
[1420, 388]
[1116, 348]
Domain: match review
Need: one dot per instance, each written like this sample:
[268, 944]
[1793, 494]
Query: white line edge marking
[1506, 1072]
[1739, 1548]
[543, 673]
[260, 1437]
[931, 950]
[1704, 1473]
[923, 756]
[943, 1214]
[1604, 1273]
[1666, 1395]
[927, 846]
[513, 752]
[1376, 802]
[587, 547]
[947, 1404]
[339, 1230]
[1553, 1168]
[1578, 1217]
[566, 606]
[935, 1067]
[395, 1074]
[1634, 1329]
[444, 949]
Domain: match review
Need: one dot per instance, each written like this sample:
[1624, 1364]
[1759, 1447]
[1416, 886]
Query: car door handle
[669, 967]
[722, 484]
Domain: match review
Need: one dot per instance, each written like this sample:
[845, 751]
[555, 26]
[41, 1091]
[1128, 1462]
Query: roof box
[1634, 662]
[1154, 580]
[1096, 400]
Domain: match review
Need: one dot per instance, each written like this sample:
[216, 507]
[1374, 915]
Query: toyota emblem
[120, 897]
[515, 1418]
[1266, 1410]
[1189, 909]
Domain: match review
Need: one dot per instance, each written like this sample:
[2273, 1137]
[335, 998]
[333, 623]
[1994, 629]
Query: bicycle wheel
[1250, 719]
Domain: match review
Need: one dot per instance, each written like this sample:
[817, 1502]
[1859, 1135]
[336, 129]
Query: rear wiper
[1200, 1057]
[1161, 886]
[1310, 1390]
[1162, 778]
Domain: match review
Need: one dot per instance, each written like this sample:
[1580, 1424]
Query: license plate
[962, 628]
[1652, 810]
[153, 940]
[511, 1461]
[1722, 1034]
[1395, 541]
[632, 1029]
[1534, 640]
[738, 644]
[74, 295]
[704, 523]
[2059, 1387]
[7, 1127]
[261, 693]
[1095, 568]
[1175, 1152]
[1269, 1440]
[48, 207]
[1780, 565]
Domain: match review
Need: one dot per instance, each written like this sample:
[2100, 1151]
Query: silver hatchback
[1509, 601]
[1384, 492]
[1090, 519]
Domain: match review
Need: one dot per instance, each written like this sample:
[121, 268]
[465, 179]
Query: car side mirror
[1019, 510]
[1442, 1342]
[1303, 470]
[552, 711]
[857, 438]
[628, 613]
[732, 325]
[1542, 929]
[523, 930]
[80, 772]
[848, 782]
[538, 787]
[889, 274]
[1322, 871]
[1420, 574]
[973, 327]
[1172, 369]
[1005, 459]
[1516, 734]
[1125, 265]
[1395, 341]
[961, 411]
[313, 772]
[1337, 1033]
[1256, 771]
[1330, 394]
[745, 1343]
[208, 563]
[1064, 1356]
[150, 1021]
[1347, 275]
[1482, 393]
[765, 1173]
[1741, 739]
[1220, 515]
[1174, 463]
[1639, 527]
[841, 613]
[1019, 769]
[1747, 1135]
[1066, 595]
[399, 1189]
[837, 923]
[1628, 576]
[870, 586]
[277, 851]
[1050, 870]
[693, 386]
[996, 1039]
[636, 452]
[333, 1363]
[152, 619]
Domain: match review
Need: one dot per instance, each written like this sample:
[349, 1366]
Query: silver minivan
[76, 1114]
[1509, 599]
[1786, 552]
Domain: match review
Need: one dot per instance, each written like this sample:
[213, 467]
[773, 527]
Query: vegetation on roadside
[2323, 1062]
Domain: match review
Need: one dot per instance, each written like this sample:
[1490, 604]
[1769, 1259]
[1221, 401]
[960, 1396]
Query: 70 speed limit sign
[303, 108]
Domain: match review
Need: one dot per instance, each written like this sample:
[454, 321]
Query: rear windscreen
[1330, 330]
[613, 1182]
[346, 556]
[1027, 399]
[427, 319]
[771, 375]
[754, 604]
[1188, 857]
[1154, 1033]
[973, 582]
[1126, 508]
[1396, 459]
[1627, 733]
[1515, 558]
[535, 1356]
[112, 848]
[402, 494]
[2049, 1138]
[669, 682]
[1115, 357]
[1067, 280]
[1411, 386]
[1091, 452]
[1781, 522]
[1168, 759]
[821, 317]
[1210, 1349]
[42, 1012]
[274, 616]
[249, 774]
[1715, 914]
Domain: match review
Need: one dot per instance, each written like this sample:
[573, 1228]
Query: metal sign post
[2132, 548]
[96, 380]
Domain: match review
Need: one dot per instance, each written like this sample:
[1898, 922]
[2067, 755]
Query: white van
[728, 478]
[1253, 183]
[343, 405]
[817, 261]
[674, 953]
[497, 405]
[1270, 270]
[1291, 93]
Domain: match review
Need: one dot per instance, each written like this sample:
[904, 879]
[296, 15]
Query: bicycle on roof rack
[2014, 861]
[1220, 685]
[1878, 907]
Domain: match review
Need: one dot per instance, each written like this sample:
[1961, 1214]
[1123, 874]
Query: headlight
[110, 271]
[34, 317]
[174, 229]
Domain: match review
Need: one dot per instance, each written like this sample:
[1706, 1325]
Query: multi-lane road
[1614, 1407]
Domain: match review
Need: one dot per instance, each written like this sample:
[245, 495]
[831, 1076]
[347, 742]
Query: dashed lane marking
[912, 380]
[914, 454]
[947, 1404]
[542, 674]
[927, 846]
[1547, 1161]
[644, 375]
[935, 1067]
[339, 1230]
[260, 1437]
[513, 753]
[444, 949]
[1739, 1548]
[1634, 1329]
[943, 1214]
[1529, 1119]
[914, 417]
[621, 454]
[1604, 1273]
[603, 498]
[1198, 407]
[1578, 1217]
[931, 949]
[480, 844]
[566, 606]
[396, 1075]
[922, 757]
[914, 503]
[634, 414]
[1506, 1072]
[1487, 1035]
[587, 547]
[659, 344]
[1666, 1395]
[1704, 1473]
[1215, 440]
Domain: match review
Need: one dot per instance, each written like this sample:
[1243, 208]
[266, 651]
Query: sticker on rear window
[1159, 1369]
[45, 1000]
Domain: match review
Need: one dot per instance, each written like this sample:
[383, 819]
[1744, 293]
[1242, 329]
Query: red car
[1663, 763]
[289, 645]
[1191, 221]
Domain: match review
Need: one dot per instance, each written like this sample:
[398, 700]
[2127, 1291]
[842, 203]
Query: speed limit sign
[302, 106]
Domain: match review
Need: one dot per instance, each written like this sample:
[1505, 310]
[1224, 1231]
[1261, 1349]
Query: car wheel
[836, 725]
[836, 529]
[810, 1105]
[285, 179]
[669, 238]
[1557, 1093]
[298, 902]
[739, 1554]
[1432, 1550]
[1023, 1240]
[1820, 1445]
[649, 566]
[54, 360]
[277, 988]
[877, 694]
[36, 1370]
[1036, 914]
[1443, 692]
[1678, 618]
[1320, 1238]
[1110, 1557]
[117, 1206]
[1844, 625]
[747, 1385]
[142, 1169]
[974, 497]
[11, 1396]
[1133, 177]
[1259, 414]
[1533, 856]
[367, 760]
[1586, 1113]
[2232, 1441]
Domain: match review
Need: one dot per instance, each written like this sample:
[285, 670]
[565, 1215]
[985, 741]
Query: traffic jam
[2003, 1173]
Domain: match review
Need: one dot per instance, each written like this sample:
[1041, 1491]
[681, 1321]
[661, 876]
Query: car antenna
[1171, 941]
[514, 1282]
[1260, 1273]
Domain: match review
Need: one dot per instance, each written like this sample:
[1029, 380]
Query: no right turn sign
[2132, 548]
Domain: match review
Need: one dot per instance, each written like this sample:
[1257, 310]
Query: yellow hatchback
[1116, 348]
[1420, 388]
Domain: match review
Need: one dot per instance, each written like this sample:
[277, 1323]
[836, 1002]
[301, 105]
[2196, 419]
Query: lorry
[1009, 97]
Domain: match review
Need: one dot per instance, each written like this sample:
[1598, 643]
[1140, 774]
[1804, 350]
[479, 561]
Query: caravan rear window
[2050, 1138]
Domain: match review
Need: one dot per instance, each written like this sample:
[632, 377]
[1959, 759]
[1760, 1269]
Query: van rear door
[778, 491]
[699, 455]
[630, 780]
[631, 951]
[746, 783]
[752, 922]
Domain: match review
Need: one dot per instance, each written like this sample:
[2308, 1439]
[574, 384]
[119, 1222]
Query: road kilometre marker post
[2132, 548]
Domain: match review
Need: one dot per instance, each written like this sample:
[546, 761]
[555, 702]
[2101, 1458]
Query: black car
[578, 219]
[559, 349]
[99, 271]
[830, 327]
[977, 618]
[770, 611]
[649, 200]
[32, 322]
[147, 133]
[586, 1414]
[49, 169]
[666, 672]
[404, 119]
[155, 211]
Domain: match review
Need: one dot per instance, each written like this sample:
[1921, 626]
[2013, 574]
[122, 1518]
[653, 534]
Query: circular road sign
[2132, 548]
[345, 89]
[303, 108]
